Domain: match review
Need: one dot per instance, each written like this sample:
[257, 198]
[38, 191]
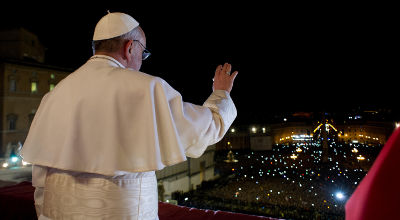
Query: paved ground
[15, 175]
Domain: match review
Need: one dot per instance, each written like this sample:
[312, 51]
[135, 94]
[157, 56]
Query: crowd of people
[293, 181]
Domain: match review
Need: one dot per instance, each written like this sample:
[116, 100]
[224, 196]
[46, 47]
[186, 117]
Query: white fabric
[105, 119]
[74, 195]
[113, 25]
[108, 58]
[39, 174]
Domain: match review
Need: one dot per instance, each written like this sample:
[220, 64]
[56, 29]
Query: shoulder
[144, 79]
[133, 74]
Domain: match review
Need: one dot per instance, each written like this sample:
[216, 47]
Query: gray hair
[114, 44]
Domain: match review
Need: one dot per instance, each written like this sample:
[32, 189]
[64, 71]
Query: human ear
[128, 49]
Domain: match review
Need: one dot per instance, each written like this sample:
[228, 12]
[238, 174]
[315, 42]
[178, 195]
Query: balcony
[16, 202]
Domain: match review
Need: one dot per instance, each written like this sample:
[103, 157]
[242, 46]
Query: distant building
[292, 132]
[21, 44]
[25, 79]
[254, 137]
[367, 128]
[369, 132]
[187, 175]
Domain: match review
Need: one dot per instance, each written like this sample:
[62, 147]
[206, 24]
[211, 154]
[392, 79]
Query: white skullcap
[113, 25]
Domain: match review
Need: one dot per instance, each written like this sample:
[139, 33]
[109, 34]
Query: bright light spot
[293, 156]
[299, 150]
[25, 163]
[5, 165]
[301, 137]
[254, 129]
[360, 157]
[14, 159]
[354, 150]
[397, 124]
[232, 130]
[186, 199]
[339, 195]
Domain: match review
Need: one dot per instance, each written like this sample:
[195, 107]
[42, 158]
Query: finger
[233, 76]
[219, 67]
[224, 68]
[218, 70]
[229, 69]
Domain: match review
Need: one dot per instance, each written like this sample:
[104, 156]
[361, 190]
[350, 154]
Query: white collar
[112, 59]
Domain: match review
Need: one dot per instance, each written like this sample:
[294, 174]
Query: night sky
[289, 57]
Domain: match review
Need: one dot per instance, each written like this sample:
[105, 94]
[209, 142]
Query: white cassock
[100, 134]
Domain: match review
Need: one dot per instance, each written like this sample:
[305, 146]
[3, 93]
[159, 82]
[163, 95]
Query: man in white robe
[100, 134]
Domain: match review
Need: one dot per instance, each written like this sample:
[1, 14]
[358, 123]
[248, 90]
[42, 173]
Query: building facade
[25, 79]
[187, 175]
[370, 132]
[20, 44]
[261, 137]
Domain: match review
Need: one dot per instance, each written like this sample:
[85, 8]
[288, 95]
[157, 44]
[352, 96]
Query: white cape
[104, 119]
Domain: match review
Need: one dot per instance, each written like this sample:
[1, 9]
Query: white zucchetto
[113, 25]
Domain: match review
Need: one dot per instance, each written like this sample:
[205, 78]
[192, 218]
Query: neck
[113, 55]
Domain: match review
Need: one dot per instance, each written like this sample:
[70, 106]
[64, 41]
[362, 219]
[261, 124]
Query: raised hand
[223, 79]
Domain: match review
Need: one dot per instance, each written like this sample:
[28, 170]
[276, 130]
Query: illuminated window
[51, 86]
[34, 88]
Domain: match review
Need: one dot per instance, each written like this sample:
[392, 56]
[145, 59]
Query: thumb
[234, 74]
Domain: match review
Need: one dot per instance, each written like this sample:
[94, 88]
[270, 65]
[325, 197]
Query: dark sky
[289, 57]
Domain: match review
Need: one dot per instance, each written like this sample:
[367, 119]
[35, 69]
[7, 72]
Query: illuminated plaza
[291, 181]
[295, 178]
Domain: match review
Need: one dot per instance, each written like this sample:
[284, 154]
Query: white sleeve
[198, 126]
[223, 113]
